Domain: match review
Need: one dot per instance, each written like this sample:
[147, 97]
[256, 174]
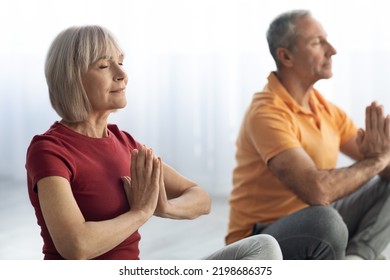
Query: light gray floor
[161, 238]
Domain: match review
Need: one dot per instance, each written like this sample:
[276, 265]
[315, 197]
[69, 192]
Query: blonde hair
[69, 56]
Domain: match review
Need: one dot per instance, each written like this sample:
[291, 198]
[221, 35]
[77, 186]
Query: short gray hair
[282, 31]
[69, 56]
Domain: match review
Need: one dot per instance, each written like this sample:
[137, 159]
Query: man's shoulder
[268, 101]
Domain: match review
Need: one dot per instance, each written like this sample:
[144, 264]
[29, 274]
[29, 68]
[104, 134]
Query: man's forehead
[309, 28]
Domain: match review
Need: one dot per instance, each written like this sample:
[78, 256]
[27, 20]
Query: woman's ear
[284, 56]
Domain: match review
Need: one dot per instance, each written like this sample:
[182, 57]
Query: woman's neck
[93, 129]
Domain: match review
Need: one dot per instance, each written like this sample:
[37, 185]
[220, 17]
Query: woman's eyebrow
[109, 57]
[105, 57]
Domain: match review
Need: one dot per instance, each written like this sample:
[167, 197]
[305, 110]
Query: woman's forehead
[111, 56]
[110, 51]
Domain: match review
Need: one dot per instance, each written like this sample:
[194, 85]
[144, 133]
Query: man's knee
[318, 231]
[328, 222]
[329, 226]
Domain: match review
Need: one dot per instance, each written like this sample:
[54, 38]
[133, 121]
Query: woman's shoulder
[52, 136]
[123, 136]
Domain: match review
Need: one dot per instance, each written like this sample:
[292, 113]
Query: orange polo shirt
[273, 123]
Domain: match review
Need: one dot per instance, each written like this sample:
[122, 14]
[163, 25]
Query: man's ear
[285, 57]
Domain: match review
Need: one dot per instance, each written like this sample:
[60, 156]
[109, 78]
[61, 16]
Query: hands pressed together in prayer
[145, 189]
[374, 141]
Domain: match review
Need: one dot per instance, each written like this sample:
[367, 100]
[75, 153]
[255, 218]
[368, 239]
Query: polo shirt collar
[315, 99]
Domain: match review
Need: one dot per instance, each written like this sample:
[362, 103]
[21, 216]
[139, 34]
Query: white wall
[193, 67]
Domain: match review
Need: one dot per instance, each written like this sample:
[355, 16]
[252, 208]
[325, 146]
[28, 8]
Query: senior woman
[93, 185]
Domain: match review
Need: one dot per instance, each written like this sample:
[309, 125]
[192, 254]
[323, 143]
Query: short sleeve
[272, 131]
[45, 158]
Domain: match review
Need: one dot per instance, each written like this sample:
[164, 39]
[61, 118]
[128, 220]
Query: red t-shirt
[93, 166]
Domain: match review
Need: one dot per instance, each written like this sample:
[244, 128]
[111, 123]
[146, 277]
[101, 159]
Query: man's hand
[374, 142]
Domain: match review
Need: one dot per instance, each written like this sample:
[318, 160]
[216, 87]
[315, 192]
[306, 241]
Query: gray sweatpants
[257, 247]
[358, 224]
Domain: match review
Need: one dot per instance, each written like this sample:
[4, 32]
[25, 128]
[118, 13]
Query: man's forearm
[385, 173]
[338, 183]
[317, 186]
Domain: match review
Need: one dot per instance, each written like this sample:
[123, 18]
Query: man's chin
[327, 75]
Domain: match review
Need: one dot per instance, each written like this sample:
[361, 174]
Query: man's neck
[296, 87]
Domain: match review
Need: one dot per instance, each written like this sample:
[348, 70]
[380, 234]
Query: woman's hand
[142, 189]
[179, 197]
[163, 202]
